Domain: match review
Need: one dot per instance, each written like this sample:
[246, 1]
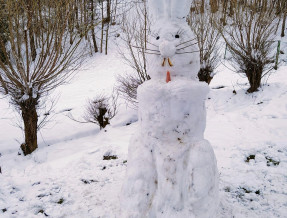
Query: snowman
[172, 171]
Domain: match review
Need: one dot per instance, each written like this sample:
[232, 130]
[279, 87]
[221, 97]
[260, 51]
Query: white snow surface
[67, 176]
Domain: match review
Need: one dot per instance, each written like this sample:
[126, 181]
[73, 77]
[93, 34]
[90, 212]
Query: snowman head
[172, 42]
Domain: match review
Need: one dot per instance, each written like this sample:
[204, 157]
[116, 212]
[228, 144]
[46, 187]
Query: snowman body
[171, 168]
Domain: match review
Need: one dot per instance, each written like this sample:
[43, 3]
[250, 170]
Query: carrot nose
[168, 79]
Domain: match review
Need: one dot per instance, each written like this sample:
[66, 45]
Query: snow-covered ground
[67, 176]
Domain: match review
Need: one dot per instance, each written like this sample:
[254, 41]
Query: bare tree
[85, 17]
[249, 36]
[106, 19]
[135, 32]
[207, 36]
[27, 78]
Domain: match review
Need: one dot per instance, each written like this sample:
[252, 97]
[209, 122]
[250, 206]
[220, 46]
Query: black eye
[157, 38]
[176, 36]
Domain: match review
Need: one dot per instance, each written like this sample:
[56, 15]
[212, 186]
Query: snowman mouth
[168, 60]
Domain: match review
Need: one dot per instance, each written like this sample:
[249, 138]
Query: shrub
[202, 24]
[101, 110]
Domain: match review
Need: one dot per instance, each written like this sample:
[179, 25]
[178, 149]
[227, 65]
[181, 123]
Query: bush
[101, 110]
[202, 24]
[127, 88]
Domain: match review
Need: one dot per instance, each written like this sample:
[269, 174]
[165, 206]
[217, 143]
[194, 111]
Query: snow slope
[67, 176]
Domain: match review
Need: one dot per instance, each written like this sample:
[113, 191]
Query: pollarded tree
[249, 36]
[26, 75]
[207, 38]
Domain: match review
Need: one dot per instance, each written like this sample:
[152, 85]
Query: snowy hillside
[68, 175]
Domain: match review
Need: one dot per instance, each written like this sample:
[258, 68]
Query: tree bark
[102, 30]
[231, 8]
[103, 121]
[202, 6]
[71, 22]
[223, 20]
[254, 74]
[31, 30]
[3, 33]
[85, 19]
[30, 119]
[93, 28]
[108, 11]
[213, 6]
[107, 38]
[145, 25]
[284, 22]
[77, 15]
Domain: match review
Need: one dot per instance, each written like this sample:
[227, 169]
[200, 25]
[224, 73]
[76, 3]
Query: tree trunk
[279, 8]
[31, 30]
[202, 6]
[71, 22]
[77, 16]
[107, 38]
[145, 25]
[102, 30]
[103, 121]
[3, 33]
[30, 119]
[85, 20]
[254, 75]
[223, 19]
[108, 11]
[284, 22]
[213, 6]
[93, 28]
[231, 8]
[3, 57]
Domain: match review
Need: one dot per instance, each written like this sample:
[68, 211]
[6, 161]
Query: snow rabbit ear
[169, 9]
